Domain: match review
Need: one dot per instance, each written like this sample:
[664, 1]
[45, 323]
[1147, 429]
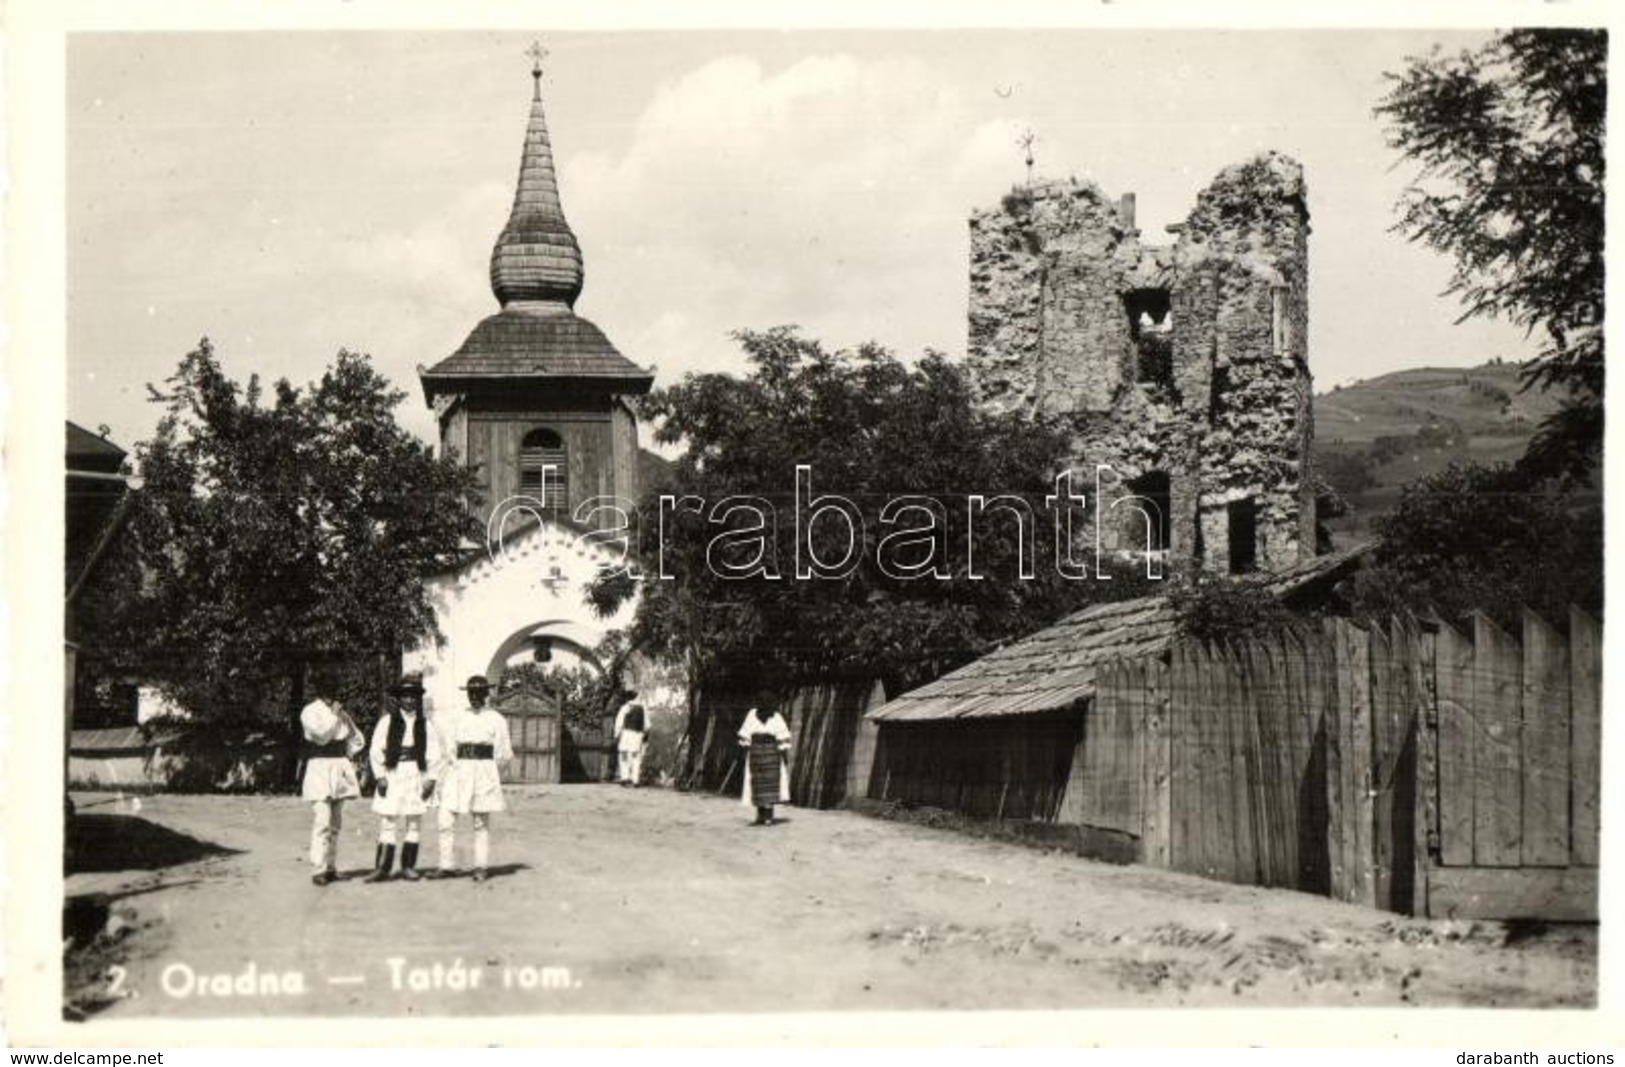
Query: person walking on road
[477, 744]
[766, 740]
[631, 723]
[405, 758]
[331, 741]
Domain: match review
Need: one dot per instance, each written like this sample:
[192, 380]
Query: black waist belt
[476, 751]
[331, 750]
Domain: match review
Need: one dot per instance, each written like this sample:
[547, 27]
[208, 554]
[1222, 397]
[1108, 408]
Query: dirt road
[614, 900]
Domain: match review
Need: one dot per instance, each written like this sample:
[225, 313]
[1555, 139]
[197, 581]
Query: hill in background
[1375, 435]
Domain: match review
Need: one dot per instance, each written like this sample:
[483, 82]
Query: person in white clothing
[766, 741]
[631, 724]
[405, 759]
[476, 746]
[331, 741]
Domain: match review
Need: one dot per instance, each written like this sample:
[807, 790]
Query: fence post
[1497, 771]
[1453, 681]
[1155, 797]
[1423, 673]
[1545, 833]
[1354, 713]
[1585, 694]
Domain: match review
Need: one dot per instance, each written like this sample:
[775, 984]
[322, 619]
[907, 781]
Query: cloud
[832, 186]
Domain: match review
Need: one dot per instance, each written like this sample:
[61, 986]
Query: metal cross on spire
[536, 53]
[1025, 142]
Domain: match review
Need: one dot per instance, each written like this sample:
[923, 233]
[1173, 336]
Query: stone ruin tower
[1183, 366]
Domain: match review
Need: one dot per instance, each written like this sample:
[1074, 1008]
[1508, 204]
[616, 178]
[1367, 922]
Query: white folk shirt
[475, 785]
[405, 793]
[330, 777]
[774, 724]
[629, 741]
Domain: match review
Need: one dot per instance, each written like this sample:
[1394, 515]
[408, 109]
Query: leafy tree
[273, 534]
[873, 430]
[1509, 141]
[1215, 607]
[1481, 538]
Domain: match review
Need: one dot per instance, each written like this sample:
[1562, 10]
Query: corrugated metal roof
[1054, 668]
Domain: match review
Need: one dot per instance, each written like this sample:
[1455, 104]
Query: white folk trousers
[448, 838]
[324, 834]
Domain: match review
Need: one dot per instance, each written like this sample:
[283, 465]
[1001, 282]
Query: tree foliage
[273, 533]
[1508, 139]
[873, 430]
[1481, 538]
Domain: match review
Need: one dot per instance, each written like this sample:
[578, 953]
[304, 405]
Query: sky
[290, 194]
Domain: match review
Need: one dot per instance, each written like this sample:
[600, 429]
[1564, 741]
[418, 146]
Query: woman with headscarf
[766, 741]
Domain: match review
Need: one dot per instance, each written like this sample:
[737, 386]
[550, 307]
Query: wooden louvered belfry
[544, 470]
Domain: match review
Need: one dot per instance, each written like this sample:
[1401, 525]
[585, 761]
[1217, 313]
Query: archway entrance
[539, 673]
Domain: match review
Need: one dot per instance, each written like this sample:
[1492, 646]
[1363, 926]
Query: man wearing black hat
[405, 760]
[477, 742]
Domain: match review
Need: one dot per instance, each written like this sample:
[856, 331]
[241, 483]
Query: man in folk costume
[766, 740]
[631, 723]
[331, 741]
[476, 744]
[405, 760]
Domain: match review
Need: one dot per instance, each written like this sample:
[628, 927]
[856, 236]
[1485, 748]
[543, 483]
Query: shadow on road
[500, 870]
[100, 843]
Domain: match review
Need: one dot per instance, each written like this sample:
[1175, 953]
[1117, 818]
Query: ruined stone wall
[1208, 383]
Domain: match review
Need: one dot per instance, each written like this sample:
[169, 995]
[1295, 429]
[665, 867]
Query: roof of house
[536, 274]
[82, 444]
[1053, 669]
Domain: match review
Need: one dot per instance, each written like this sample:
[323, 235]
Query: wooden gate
[534, 727]
[589, 751]
[1516, 747]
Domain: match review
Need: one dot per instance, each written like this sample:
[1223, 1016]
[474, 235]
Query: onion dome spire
[536, 259]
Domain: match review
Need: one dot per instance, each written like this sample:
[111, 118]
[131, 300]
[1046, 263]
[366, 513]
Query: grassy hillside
[1373, 436]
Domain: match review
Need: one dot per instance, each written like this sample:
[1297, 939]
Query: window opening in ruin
[1280, 320]
[1155, 528]
[1150, 327]
[1243, 515]
[1218, 398]
[539, 450]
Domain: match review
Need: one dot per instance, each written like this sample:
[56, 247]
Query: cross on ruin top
[1025, 142]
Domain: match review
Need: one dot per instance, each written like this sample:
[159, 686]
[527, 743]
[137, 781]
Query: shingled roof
[536, 274]
[538, 344]
[1054, 668]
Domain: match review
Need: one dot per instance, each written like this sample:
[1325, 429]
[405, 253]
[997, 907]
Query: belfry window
[543, 471]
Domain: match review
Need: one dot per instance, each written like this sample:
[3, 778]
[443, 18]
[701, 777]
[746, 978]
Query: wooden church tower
[536, 388]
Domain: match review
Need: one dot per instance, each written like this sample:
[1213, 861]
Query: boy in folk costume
[631, 723]
[476, 743]
[766, 740]
[405, 758]
[331, 740]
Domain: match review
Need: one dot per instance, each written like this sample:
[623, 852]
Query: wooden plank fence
[1405, 766]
